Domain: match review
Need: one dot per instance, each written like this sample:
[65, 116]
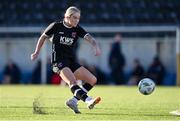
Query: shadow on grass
[27, 107]
[42, 111]
[54, 112]
[126, 114]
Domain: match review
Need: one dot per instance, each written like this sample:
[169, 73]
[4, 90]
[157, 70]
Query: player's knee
[68, 76]
[93, 80]
[71, 83]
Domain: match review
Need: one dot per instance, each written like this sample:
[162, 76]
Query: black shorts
[65, 62]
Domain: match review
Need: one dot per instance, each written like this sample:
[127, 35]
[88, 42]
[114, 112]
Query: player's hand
[97, 51]
[34, 56]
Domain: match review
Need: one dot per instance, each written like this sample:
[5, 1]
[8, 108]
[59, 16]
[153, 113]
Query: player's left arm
[93, 42]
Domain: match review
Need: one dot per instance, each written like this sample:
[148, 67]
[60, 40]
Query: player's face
[74, 19]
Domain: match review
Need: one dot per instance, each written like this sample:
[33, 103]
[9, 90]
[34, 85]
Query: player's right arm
[46, 34]
[38, 46]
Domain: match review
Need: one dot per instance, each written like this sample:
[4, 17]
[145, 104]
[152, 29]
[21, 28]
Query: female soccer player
[64, 35]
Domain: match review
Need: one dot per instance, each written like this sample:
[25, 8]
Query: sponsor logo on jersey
[66, 40]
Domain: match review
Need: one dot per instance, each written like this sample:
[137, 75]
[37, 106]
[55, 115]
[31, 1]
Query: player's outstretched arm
[38, 46]
[93, 42]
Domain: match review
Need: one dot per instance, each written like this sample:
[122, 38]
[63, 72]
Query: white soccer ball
[146, 86]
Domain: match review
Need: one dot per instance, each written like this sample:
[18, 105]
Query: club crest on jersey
[73, 34]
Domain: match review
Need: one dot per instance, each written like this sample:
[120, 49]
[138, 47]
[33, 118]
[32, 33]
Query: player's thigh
[85, 75]
[63, 70]
[68, 76]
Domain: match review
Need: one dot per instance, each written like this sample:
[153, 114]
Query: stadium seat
[33, 12]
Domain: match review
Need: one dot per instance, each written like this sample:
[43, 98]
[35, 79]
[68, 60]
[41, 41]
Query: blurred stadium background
[148, 28]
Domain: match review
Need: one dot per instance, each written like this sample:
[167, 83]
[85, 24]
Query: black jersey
[63, 39]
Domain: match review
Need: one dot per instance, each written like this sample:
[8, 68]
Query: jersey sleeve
[81, 32]
[50, 30]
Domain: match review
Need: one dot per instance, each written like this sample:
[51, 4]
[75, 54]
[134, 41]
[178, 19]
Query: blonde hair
[71, 10]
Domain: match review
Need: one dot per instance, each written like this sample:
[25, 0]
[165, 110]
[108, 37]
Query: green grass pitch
[118, 103]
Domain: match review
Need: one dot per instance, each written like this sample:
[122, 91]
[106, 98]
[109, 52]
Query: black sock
[79, 93]
[87, 86]
[76, 98]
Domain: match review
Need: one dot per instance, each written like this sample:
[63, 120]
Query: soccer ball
[146, 86]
